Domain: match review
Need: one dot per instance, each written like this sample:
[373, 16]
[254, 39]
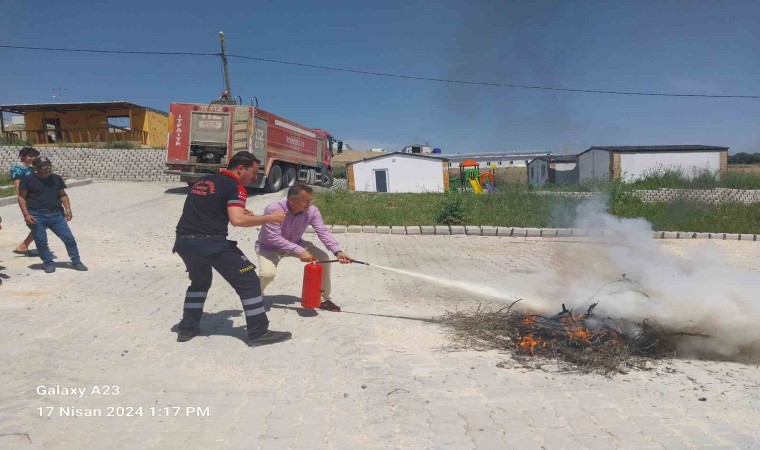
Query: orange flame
[579, 334]
[528, 342]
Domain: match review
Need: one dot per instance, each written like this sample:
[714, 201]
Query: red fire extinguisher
[311, 295]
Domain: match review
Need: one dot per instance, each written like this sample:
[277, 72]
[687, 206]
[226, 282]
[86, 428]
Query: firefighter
[213, 202]
[277, 241]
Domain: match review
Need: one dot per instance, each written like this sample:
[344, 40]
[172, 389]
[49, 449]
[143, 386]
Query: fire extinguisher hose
[335, 260]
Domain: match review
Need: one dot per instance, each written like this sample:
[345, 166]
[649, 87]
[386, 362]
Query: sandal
[327, 305]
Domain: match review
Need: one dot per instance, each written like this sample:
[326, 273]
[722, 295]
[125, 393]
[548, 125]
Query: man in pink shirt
[280, 240]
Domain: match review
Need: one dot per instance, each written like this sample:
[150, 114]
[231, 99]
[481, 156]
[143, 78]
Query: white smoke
[696, 291]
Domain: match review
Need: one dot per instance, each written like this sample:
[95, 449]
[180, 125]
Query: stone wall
[145, 164]
[717, 195]
[713, 196]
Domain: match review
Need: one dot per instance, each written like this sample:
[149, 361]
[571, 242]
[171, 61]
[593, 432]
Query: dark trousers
[200, 256]
[58, 225]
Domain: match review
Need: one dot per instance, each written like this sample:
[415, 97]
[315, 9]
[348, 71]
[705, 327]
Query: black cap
[42, 162]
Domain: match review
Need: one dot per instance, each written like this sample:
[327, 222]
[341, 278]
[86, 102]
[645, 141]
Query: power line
[392, 75]
[126, 52]
[486, 83]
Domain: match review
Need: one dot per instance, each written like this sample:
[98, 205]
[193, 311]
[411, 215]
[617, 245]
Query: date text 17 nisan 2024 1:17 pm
[125, 411]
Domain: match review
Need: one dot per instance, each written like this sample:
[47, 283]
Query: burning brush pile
[580, 342]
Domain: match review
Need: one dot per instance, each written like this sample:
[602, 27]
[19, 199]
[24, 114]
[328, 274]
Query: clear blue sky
[706, 47]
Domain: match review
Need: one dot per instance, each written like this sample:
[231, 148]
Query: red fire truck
[203, 137]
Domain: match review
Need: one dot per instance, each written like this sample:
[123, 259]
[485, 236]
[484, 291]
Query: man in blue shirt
[45, 204]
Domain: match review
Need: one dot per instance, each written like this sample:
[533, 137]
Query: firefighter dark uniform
[202, 244]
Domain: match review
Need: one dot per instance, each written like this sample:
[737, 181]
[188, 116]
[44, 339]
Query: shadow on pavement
[290, 302]
[181, 190]
[393, 316]
[272, 300]
[220, 323]
[58, 265]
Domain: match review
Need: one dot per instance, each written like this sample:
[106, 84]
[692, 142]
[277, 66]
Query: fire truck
[203, 137]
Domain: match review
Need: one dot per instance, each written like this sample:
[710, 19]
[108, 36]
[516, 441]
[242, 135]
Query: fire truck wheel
[311, 176]
[326, 176]
[274, 179]
[289, 178]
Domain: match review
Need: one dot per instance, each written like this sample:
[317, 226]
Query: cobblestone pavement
[377, 375]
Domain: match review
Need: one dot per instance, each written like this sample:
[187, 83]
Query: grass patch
[120, 144]
[15, 143]
[519, 206]
[665, 178]
[6, 186]
[693, 216]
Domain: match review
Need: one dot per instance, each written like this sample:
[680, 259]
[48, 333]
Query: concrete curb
[474, 230]
[12, 199]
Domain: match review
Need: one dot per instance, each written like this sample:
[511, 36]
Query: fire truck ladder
[240, 130]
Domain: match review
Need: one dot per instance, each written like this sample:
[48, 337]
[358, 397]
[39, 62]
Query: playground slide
[476, 187]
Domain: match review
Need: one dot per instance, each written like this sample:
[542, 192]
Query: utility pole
[228, 87]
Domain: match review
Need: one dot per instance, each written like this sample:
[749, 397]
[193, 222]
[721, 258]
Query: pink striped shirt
[286, 237]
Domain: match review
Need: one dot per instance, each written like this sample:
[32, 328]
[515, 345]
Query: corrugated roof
[559, 158]
[410, 155]
[659, 148]
[82, 106]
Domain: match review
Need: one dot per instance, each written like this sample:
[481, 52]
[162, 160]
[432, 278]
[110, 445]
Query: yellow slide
[476, 187]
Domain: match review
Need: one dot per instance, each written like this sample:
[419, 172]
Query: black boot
[270, 337]
[185, 334]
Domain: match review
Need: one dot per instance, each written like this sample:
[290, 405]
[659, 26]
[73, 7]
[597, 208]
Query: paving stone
[504, 231]
[741, 440]
[478, 420]
[519, 232]
[696, 436]
[598, 443]
[487, 439]
[672, 442]
[581, 232]
[669, 235]
[488, 230]
[442, 229]
[398, 229]
[338, 229]
[354, 229]
[412, 229]
[473, 230]
[548, 232]
[564, 232]
[369, 229]
[425, 229]
[457, 229]
[383, 229]
[533, 232]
